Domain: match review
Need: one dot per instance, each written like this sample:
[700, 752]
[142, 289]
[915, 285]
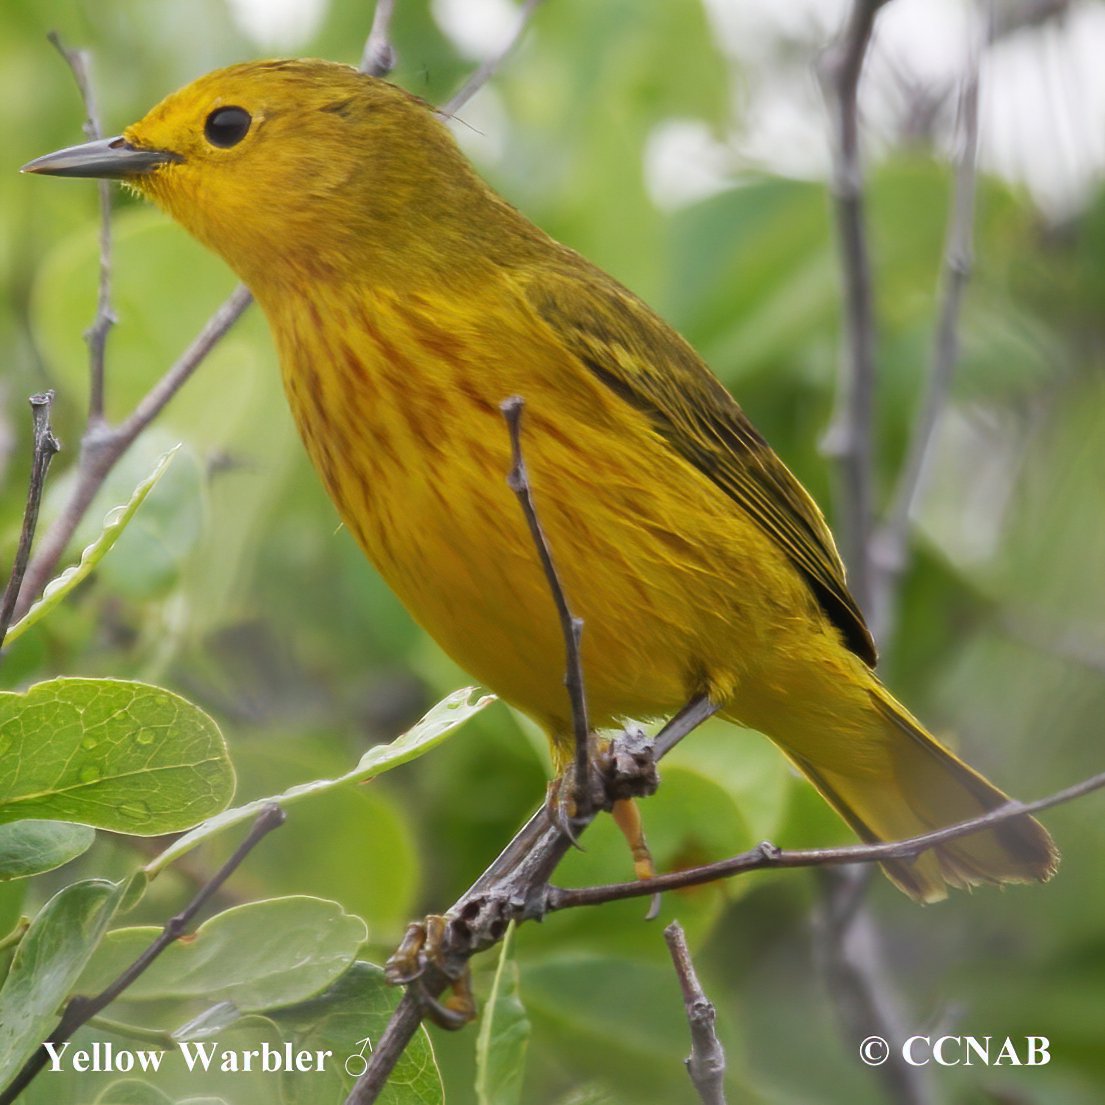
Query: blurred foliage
[236, 588]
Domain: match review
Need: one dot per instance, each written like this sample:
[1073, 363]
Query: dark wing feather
[639, 357]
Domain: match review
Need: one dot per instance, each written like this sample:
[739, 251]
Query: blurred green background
[681, 147]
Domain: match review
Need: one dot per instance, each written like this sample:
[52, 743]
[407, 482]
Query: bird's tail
[898, 781]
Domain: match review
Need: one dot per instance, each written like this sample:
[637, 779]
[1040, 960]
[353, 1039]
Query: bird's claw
[423, 945]
[560, 805]
[456, 1010]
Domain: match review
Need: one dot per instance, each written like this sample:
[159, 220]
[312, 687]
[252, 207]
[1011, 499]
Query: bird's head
[271, 162]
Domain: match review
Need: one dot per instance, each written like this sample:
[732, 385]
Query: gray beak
[114, 158]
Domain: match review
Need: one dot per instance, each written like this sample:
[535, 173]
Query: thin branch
[890, 549]
[492, 65]
[103, 446]
[96, 335]
[849, 439]
[80, 1010]
[570, 625]
[45, 446]
[767, 857]
[706, 1063]
[698, 710]
[378, 58]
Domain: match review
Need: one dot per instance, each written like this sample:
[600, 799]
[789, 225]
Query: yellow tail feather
[911, 784]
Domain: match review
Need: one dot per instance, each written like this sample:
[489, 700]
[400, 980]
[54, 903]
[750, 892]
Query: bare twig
[767, 857]
[849, 439]
[492, 65]
[80, 1010]
[890, 548]
[706, 1063]
[96, 335]
[378, 58]
[45, 446]
[570, 625]
[698, 710]
[102, 446]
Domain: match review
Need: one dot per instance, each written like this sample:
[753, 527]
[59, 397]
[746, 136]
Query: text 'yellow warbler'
[408, 301]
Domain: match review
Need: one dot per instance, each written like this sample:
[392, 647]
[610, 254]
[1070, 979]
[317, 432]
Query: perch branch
[766, 856]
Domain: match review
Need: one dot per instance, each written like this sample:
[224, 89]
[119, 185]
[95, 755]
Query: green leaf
[347, 1020]
[424, 735]
[31, 847]
[118, 755]
[115, 522]
[257, 956]
[50, 957]
[504, 1035]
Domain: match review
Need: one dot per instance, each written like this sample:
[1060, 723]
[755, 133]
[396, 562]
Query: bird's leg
[405, 964]
[570, 801]
[627, 768]
[627, 816]
[424, 943]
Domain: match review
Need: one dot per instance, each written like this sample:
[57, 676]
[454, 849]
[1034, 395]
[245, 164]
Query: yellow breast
[398, 403]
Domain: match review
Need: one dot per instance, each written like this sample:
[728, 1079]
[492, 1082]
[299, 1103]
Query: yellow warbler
[407, 301]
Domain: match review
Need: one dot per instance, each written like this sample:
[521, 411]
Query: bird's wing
[640, 358]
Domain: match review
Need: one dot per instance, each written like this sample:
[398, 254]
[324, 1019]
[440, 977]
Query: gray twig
[706, 1062]
[80, 1009]
[378, 58]
[570, 625]
[492, 65]
[889, 555]
[96, 335]
[45, 446]
[849, 439]
[767, 857]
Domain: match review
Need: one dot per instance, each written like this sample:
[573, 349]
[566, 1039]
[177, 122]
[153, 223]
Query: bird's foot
[627, 766]
[422, 946]
[569, 807]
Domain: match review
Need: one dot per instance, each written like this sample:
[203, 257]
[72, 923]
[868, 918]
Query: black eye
[227, 126]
